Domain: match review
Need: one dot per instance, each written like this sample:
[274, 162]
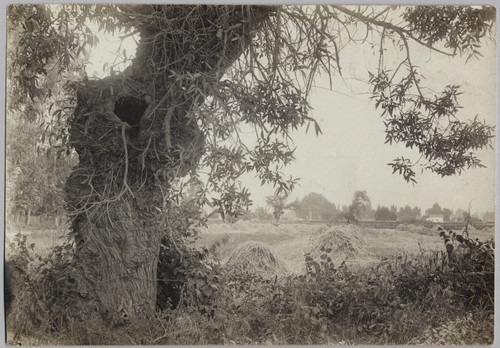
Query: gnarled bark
[134, 132]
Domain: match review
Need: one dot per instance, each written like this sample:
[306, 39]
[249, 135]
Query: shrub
[401, 300]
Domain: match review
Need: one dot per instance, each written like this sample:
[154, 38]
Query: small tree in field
[279, 206]
[360, 202]
[199, 73]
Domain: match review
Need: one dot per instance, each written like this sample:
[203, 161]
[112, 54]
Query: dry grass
[343, 242]
[248, 314]
[254, 258]
[291, 241]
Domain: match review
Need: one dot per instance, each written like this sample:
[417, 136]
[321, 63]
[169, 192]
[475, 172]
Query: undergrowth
[431, 298]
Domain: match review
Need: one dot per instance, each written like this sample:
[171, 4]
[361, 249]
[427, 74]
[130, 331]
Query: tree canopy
[407, 214]
[285, 47]
[279, 205]
[315, 206]
[435, 209]
[385, 214]
[359, 205]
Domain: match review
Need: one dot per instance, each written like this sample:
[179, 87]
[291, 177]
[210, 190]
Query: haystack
[254, 258]
[338, 244]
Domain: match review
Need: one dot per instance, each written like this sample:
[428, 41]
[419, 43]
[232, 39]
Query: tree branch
[390, 26]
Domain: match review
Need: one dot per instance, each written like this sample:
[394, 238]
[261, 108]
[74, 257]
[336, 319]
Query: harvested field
[362, 245]
[255, 255]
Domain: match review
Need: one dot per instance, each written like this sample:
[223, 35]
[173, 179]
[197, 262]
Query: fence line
[34, 221]
[54, 221]
[394, 224]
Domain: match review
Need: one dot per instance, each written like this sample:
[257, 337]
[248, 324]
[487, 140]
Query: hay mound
[254, 258]
[339, 244]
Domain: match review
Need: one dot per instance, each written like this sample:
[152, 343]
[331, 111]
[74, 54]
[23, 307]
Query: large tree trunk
[134, 132]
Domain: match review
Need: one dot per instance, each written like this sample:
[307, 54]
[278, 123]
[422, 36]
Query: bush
[401, 300]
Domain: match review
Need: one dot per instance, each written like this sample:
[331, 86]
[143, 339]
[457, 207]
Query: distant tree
[385, 214]
[447, 214]
[315, 204]
[279, 205]
[407, 214]
[360, 202]
[416, 212]
[262, 214]
[436, 209]
[370, 212]
[471, 219]
[476, 219]
[459, 215]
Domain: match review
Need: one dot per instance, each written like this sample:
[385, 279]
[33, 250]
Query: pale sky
[351, 155]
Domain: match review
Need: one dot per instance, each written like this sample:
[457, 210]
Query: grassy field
[378, 298]
[290, 242]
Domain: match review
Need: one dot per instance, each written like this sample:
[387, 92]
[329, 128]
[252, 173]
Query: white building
[435, 218]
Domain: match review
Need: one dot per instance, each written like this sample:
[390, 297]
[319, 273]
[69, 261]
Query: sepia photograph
[249, 174]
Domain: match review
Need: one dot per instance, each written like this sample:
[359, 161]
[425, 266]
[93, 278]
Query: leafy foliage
[397, 300]
[268, 85]
[428, 124]
[35, 178]
[408, 214]
[318, 205]
[385, 214]
[360, 203]
[187, 276]
[262, 214]
[436, 209]
[279, 205]
[459, 27]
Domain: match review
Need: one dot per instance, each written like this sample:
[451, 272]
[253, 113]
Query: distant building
[436, 218]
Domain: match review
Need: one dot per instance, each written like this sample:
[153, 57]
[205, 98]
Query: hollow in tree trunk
[134, 132]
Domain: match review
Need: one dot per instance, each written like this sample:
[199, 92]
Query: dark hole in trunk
[130, 110]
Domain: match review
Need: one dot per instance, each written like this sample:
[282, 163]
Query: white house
[435, 218]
